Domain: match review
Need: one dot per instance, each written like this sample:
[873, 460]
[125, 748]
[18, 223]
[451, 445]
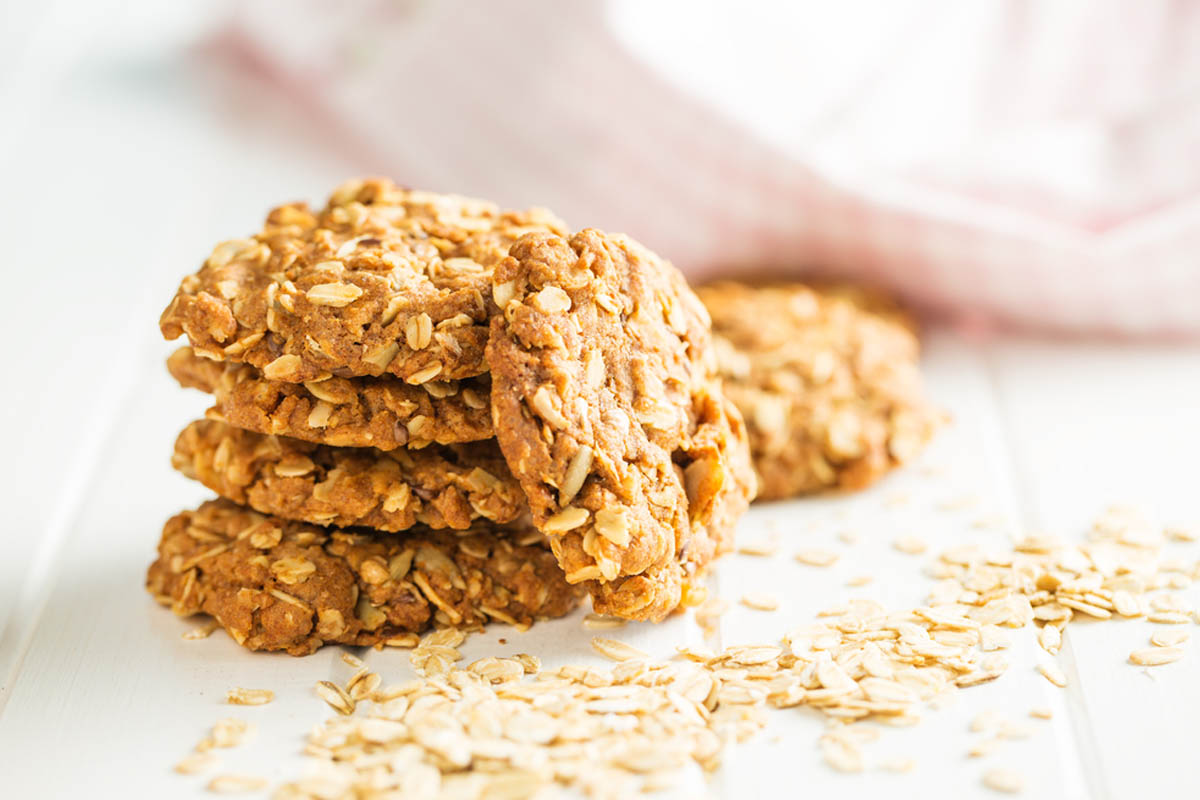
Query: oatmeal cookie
[383, 280]
[439, 487]
[608, 410]
[280, 585]
[383, 412]
[827, 380]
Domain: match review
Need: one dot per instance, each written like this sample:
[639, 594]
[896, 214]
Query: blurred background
[995, 162]
[1001, 165]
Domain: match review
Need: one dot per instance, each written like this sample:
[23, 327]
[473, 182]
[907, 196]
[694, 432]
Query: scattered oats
[236, 784]
[983, 748]
[959, 503]
[1155, 656]
[363, 684]
[1004, 780]
[990, 521]
[249, 697]
[1179, 582]
[1125, 604]
[1014, 730]
[762, 547]
[446, 637]
[760, 601]
[1050, 639]
[503, 728]
[497, 670]
[1183, 533]
[1171, 637]
[841, 753]
[817, 558]
[616, 650]
[709, 612]
[1054, 674]
[944, 699]
[848, 537]
[195, 763]
[911, 545]
[987, 721]
[600, 622]
[899, 765]
[335, 696]
[1169, 618]
[352, 660]
[1041, 712]
[201, 631]
[1087, 608]
[531, 663]
[860, 580]
[228, 732]
[992, 637]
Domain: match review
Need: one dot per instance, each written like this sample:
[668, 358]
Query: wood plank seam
[112, 399]
[1084, 745]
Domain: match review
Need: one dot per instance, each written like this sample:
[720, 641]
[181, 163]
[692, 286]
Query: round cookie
[383, 280]
[607, 407]
[383, 412]
[440, 486]
[827, 380]
[280, 585]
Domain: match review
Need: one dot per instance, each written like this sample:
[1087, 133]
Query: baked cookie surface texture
[827, 380]
[609, 411]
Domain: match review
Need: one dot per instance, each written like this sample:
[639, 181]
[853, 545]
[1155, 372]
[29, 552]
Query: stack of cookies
[428, 411]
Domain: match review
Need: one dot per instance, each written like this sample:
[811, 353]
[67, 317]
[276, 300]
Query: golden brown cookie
[280, 585]
[440, 486]
[383, 280]
[827, 381]
[383, 412]
[608, 410]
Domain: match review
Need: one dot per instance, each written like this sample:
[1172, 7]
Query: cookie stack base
[275, 584]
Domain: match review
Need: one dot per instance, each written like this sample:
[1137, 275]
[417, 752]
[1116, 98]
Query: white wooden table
[119, 174]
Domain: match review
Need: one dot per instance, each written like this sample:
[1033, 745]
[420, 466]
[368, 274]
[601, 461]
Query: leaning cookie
[383, 280]
[383, 412]
[607, 407]
[280, 585]
[439, 487]
[827, 380]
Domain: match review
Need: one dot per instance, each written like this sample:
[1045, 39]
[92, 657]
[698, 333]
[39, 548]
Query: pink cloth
[1031, 164]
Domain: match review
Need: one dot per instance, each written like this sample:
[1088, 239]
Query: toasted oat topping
[382, 280]
[608, 410]
[280, 585]
[826, 379]
[448, 486]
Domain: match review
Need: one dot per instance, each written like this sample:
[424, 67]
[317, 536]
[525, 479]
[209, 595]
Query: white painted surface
[119, 177]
